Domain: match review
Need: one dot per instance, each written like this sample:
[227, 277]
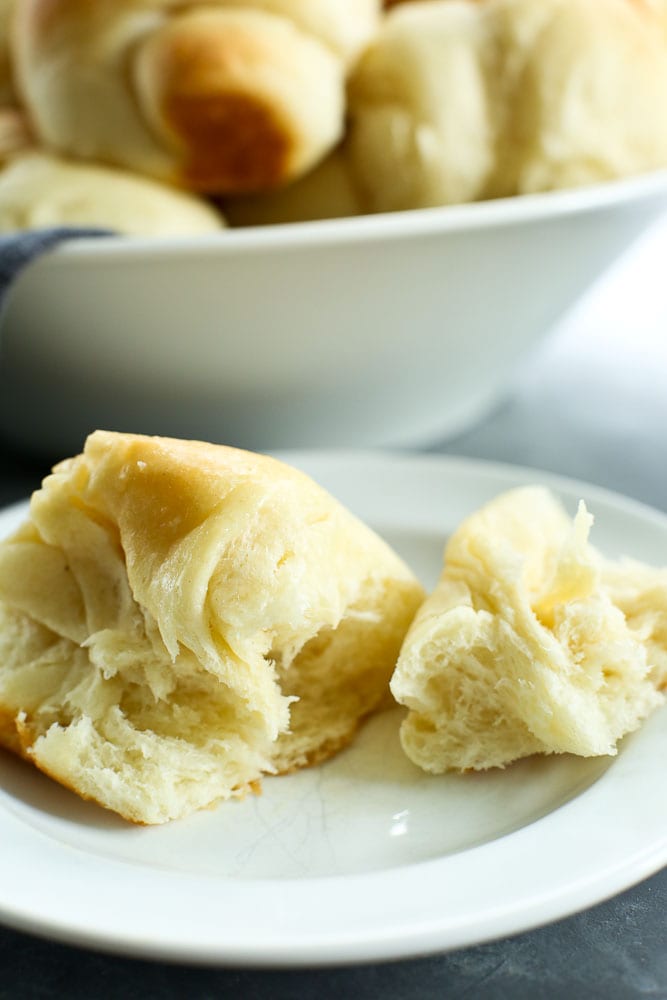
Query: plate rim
[405, 938]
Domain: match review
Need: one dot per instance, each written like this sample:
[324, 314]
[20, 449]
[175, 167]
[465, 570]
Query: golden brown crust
[234, 143]
[218, 99]
[203, 77]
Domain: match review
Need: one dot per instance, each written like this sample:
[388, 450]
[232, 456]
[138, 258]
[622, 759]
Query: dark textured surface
[18, 475]
[592, 404]
[615, 951]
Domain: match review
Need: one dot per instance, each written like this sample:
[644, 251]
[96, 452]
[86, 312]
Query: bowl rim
[522, 209]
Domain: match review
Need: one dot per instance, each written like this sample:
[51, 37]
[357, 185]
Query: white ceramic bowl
[385, 330]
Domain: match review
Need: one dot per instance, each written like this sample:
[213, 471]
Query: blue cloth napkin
[17, 250]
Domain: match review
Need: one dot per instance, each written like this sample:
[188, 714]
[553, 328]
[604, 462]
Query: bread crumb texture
[178, 618]
[532, 642]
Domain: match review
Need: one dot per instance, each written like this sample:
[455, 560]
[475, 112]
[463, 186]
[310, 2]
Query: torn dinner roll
[179, 618]
[532, 642]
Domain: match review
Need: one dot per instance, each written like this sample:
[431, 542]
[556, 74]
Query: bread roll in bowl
[39, 190]
[177, 619]
[220, 97]
[457, 100]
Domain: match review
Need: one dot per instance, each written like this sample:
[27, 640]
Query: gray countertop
[590, 404]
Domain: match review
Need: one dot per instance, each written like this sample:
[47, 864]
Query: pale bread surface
[39, 190]
[460, 100]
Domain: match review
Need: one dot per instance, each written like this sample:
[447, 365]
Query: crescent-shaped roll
[459, 100]
[39, 190]
[221, 97]
[178, 618]
[532, 642]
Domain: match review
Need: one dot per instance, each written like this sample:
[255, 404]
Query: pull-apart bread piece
[221, 97]
[178, 618]
[532, 642]
[458, 100]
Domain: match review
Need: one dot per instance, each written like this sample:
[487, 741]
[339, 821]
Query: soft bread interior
[337, 675]
[531, 642]
[166, 604]
[109, 738]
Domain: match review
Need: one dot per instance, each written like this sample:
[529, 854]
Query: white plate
[365, 857]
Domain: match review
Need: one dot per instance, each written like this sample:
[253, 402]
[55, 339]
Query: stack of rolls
[197, 100]
[261, 111]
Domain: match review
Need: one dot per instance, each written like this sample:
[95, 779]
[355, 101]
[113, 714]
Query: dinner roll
[457, 100]
[38, 190]
[221, 97]
[327, 192]
[178, 618]
[531, 642]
